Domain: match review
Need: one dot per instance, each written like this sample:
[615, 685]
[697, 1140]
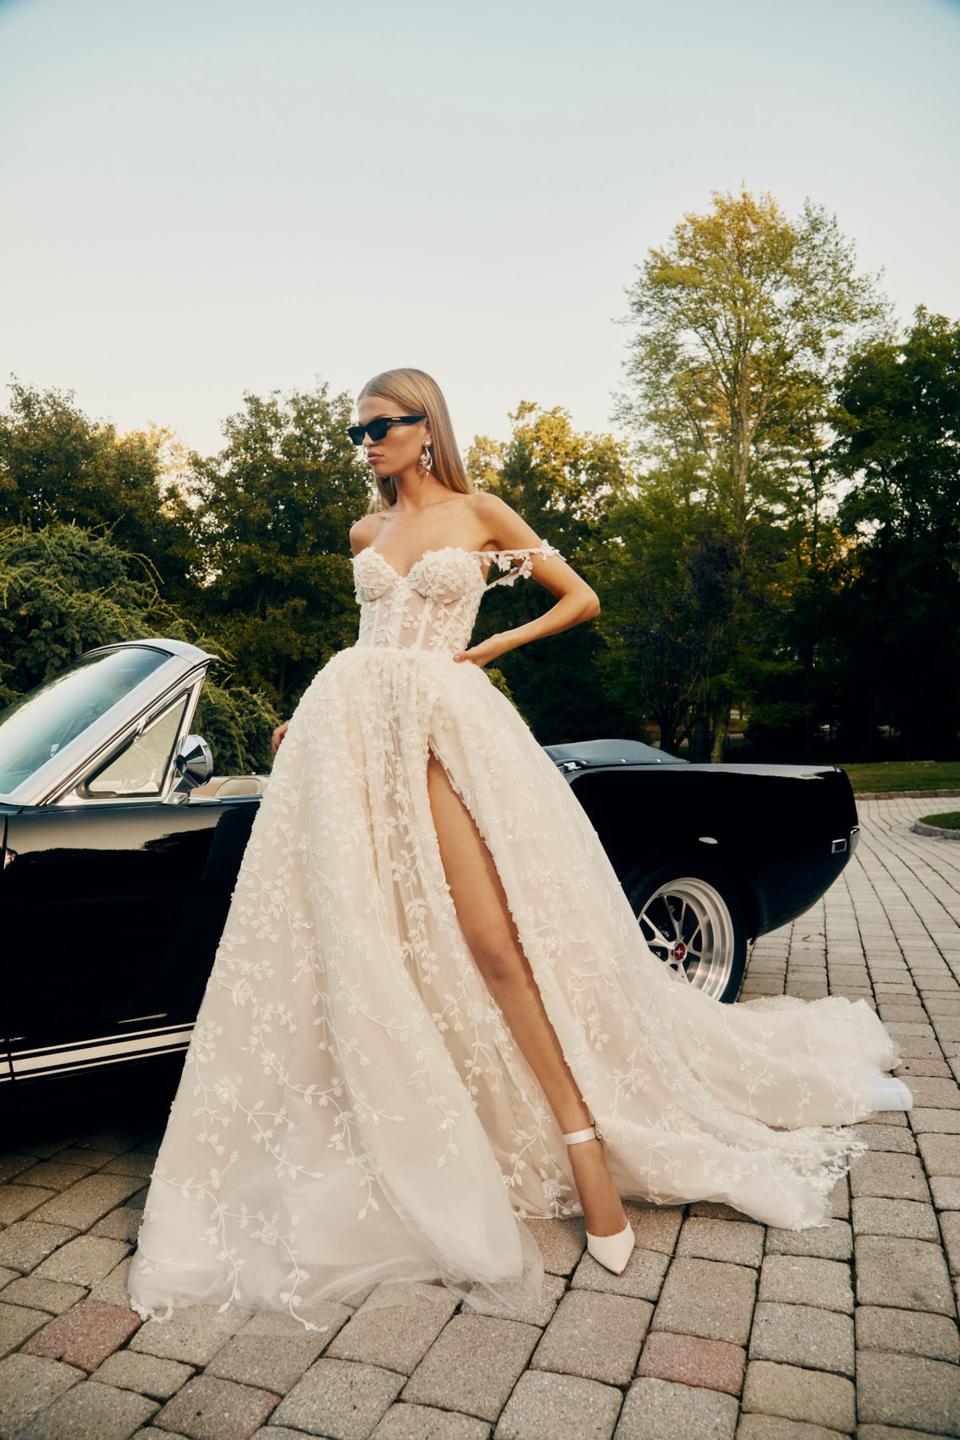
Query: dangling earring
[426, 460]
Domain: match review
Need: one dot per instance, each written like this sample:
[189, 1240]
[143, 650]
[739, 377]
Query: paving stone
[211, 1409]
[85, 1156]
[338, 1398]
[940, 1155]
[394, 1336]
[114, 1287]
[472, 1366]
[87, 1200]
[51, 1174]
[911, 1332]
[561, 1243]
[889, 1432]
[941, 1094]
[146, 1374]
[530, 1312]
[798, 1394]
[803, 1335]
[774, 1427]
[663, 1410]
[731, 1240]
[883, 1138]
[85, 1334]
[595, 1336]
[950, 1226]
[552, 1407]
[806, 1280]
[913, 1011]
[151, 1432]
[641, 1277]
[909, 1390]
[91, 1412]
[718, 1210]
[923, 1065]
[838, 1201]
[193, 1334]
[655, 1226]
[135, 1162]
[942, 1122]
[123, 1223]
[16, 1201]
[410, 1422]
[914, 1047]
[908, 1274]
[691, 1360]
[945, 1190]
[894, 1177]
[709, 1298]
[25, 1244]
[17, 1324]
[28, 1384]
[822, 1242]
[83, 1260]
[273, 1350]
[911, 1218]
[40, 1294]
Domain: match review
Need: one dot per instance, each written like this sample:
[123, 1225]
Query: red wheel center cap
[679, 950]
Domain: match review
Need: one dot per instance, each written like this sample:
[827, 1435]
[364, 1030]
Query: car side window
[141, 766]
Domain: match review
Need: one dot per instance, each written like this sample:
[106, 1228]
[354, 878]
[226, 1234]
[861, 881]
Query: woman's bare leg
[488, 927]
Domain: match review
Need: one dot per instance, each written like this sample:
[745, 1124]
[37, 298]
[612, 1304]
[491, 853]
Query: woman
[432, 1012]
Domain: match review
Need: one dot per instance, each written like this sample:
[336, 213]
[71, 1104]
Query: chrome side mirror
[193, 763]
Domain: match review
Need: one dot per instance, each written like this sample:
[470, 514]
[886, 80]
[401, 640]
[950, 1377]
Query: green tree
[59, 466]
[65, 590]
[274, 508]
[743, 322]
[565, 485]
[898, 440]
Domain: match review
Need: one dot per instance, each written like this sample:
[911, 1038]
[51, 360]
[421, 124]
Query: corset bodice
[434, 605]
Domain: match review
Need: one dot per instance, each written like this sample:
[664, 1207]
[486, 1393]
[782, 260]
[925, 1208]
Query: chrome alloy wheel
[687, 925]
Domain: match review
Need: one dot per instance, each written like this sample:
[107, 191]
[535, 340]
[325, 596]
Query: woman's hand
[276, 738]
[482, 654]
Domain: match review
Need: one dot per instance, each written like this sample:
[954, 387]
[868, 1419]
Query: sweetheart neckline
[438, 550]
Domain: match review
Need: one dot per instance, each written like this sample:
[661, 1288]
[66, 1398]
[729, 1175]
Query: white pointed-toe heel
[611, 1251]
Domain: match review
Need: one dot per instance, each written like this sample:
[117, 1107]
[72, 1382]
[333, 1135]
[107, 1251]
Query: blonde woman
[432, 1015]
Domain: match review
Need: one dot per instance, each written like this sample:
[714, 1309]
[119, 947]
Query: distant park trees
[776, 533]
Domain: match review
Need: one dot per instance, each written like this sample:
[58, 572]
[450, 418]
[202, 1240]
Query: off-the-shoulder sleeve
[518, 563]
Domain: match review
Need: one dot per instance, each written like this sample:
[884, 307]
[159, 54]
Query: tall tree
[565, 484]
[742, 322]
[274, 509]
[898, 441]
[58, 465]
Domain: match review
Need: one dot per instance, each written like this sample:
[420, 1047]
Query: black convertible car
[121, 847]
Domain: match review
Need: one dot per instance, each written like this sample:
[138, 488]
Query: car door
[112, 906]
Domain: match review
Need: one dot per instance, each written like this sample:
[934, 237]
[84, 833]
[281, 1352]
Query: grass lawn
[905, 775]
[947, 820]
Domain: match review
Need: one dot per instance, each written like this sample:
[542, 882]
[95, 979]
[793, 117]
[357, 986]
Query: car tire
[694, 921]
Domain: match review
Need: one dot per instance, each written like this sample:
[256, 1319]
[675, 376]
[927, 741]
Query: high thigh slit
[353, 1108]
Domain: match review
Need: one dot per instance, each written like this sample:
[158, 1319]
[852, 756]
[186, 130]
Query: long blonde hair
[417, 393]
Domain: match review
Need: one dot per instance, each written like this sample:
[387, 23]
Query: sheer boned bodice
[434, 606]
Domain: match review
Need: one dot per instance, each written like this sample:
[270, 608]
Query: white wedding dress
[353, 1108]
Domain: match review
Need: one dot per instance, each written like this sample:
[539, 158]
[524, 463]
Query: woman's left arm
[576, 600]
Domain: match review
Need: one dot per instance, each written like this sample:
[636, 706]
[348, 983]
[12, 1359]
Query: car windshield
[41, 722]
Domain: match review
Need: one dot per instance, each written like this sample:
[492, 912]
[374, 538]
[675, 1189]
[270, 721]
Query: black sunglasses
[378, 428]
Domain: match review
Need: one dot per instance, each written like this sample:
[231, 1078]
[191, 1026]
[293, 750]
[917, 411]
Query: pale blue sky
[203, 197]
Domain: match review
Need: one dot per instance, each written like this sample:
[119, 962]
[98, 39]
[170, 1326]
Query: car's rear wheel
[696, 925]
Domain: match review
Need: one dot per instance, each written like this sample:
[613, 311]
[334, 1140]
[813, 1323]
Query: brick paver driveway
[719, 1327]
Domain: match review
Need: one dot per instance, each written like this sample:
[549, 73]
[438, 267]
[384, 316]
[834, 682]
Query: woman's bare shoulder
[364, 531]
